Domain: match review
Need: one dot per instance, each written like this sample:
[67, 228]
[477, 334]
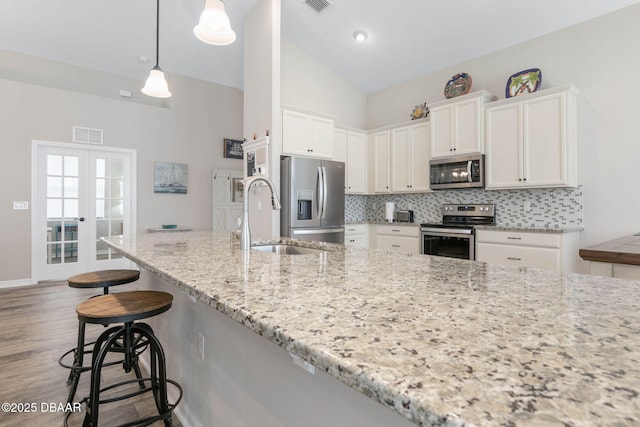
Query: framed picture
[232, 149]
[170, 178]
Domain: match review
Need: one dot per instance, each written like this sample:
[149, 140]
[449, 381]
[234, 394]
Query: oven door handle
[452, 232]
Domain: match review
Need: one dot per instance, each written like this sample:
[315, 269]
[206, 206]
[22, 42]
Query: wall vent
[87, 135]
[317, 5]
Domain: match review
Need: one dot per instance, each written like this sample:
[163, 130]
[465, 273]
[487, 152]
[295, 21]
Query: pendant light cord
[157, 34]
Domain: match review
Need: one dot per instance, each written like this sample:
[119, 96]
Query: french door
[80, 194]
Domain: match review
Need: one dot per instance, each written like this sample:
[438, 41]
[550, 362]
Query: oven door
[452, 243]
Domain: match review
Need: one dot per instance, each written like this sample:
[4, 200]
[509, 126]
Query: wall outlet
[20, 205]
[527, 206]
[201, 346]
[409, 205]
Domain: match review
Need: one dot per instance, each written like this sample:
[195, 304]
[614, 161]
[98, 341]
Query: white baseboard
[15, 283]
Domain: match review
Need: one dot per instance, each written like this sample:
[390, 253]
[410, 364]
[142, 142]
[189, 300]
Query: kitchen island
[439, 341]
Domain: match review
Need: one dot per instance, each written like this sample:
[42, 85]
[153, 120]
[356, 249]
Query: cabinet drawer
[547, 240]
[516, 256]
[398, 230]
[399, 244]
[350, 229]
[359, 240]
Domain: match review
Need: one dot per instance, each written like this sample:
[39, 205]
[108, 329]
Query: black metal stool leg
[158, 378]
[78, 360]
[100, 349]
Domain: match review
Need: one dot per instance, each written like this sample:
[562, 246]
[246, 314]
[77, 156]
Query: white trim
[40, 144]
[15, 283]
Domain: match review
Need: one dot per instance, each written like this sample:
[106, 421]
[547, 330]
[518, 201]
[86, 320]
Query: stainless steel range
[455, 236]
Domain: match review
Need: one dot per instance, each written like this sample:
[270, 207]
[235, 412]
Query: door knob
[81, 219]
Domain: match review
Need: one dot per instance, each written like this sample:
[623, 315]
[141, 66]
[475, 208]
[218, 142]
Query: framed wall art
[170, 178]
[232, 149]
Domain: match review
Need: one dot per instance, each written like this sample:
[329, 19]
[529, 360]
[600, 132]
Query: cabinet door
[545, 160]
[320, 137]
[468, 137]
[400, 158]
[503, 158]
[356, 161]
[381, 161]
[340, 146]
[442, 131]
[294, 133]
[419, 158]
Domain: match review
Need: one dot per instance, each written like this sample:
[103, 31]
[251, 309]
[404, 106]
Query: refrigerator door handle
[325, 192]
[320, 192]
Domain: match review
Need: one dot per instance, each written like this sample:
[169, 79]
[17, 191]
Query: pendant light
[156, 85]
[214, 26]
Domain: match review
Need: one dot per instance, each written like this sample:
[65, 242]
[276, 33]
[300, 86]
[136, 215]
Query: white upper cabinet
[382, 164]
[356, 162]
[410, 158]
[531, 140]
[339, 145]
[306, 135]
[350, 147]
[457, 125]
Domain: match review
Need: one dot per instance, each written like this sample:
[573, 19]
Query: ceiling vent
[87, 135]
[317, 5]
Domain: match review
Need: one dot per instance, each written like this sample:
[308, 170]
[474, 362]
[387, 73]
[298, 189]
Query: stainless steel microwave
[465, 171]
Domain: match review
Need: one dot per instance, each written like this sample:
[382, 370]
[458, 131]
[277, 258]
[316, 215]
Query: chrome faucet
[245, 239]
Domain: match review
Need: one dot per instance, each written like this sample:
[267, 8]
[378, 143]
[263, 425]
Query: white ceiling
[407, 38]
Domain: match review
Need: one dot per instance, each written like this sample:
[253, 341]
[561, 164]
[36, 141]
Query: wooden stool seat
[123, 307]
[103, 278]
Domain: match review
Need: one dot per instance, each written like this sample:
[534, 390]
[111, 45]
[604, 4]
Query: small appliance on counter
[389, 211]
[404, 215]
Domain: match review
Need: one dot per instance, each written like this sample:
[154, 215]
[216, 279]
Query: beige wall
[188, 129]
[310, 85]
[600, 58]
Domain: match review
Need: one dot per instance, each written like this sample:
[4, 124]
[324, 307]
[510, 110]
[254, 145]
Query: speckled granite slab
[443, 342]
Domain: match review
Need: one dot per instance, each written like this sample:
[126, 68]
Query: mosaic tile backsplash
[549, 207]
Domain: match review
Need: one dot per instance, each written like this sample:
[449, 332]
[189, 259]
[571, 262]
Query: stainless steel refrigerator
[312, 194]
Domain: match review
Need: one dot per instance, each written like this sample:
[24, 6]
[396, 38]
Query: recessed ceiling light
[360, 35]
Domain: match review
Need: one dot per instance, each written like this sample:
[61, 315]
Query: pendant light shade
[156, 85]
[214, 26]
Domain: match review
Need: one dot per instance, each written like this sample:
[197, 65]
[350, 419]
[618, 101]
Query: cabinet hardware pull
[514, 238]
[397, 231]
[514, 259]
[396, 246]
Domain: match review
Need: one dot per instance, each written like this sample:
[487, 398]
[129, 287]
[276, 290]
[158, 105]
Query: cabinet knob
[524, 179]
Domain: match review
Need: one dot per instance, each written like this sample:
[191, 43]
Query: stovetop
[465, 216]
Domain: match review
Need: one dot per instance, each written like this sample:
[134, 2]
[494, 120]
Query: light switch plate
[19, 206]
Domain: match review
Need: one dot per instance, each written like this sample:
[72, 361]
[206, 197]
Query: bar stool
[96, 279]
[126, 308]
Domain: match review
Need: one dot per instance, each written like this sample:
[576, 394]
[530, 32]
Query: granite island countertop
[443, 342]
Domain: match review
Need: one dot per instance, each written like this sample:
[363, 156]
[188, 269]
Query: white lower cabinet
[398, 238]
[356, 235]
[544, 250]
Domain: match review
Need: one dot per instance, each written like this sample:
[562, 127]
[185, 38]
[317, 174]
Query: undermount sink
[287, 249]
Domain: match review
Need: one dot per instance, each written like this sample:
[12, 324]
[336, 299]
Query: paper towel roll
[389, 211]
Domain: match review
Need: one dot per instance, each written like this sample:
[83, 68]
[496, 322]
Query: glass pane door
[62, 208]
[81, 195]
[109, 199]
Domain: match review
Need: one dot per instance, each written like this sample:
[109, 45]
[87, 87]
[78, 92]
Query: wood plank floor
[37, 325]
